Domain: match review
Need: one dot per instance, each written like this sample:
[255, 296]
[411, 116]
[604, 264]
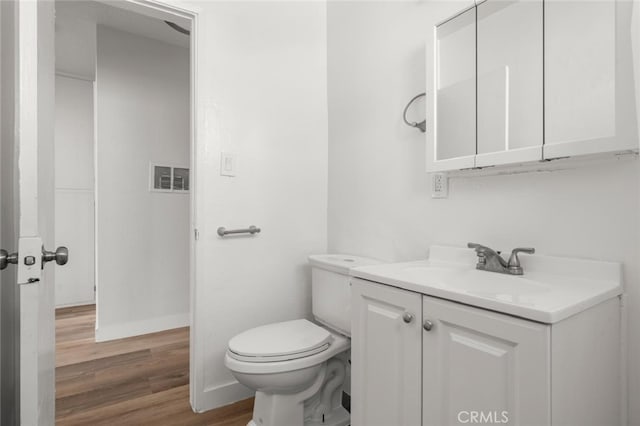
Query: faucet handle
[514, 261]
[481, 252]
[477, 247]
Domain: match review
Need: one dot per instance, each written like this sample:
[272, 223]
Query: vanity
[439, 342]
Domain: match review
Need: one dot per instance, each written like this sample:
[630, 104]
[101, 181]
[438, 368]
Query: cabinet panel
[509, 83]
[386, 356]
[452, 141]
[476, 361]
[589, 78]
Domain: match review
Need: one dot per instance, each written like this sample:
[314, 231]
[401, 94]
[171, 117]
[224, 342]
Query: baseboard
[219, 396]
[74, 304]
[136, 328]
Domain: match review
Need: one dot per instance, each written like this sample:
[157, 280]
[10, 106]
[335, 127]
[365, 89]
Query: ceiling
[123, 20]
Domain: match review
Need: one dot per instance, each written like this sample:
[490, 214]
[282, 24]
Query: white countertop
[551, 289]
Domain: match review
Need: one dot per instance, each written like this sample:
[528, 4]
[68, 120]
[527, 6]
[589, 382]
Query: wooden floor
[136, 381]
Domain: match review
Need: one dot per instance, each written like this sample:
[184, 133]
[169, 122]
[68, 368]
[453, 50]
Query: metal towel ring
[421, 125]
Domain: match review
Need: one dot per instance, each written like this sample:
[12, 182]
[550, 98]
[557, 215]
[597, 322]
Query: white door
[385, 355]
[28, 332]
[483, 367]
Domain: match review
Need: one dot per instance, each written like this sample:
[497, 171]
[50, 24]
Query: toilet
[298, 368]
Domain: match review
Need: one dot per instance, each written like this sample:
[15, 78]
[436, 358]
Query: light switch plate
[228, 164]
[439, 185]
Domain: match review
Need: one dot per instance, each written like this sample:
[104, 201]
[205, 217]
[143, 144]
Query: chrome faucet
[492, 261]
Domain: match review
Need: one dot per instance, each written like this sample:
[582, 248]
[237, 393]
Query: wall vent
[170, 179]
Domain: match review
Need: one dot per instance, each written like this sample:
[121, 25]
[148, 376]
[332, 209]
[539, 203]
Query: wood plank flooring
[141, 380]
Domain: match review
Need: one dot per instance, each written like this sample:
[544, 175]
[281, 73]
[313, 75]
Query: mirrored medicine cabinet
[512, 82]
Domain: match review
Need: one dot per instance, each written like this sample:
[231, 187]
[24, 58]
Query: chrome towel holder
[421, 125]
[222, 231]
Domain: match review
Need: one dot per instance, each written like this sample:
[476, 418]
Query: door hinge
[196, 234]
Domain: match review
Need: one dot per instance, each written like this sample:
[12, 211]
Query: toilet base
[339, 417]
[318, 405]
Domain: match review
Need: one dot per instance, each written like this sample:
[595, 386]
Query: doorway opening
[124, 196]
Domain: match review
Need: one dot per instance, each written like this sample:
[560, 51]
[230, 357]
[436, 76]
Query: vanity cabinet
[418, 359]
[480, 361]
[386, 354]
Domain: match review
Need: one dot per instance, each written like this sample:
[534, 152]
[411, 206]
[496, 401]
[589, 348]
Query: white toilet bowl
[298, 368]
[297, 377]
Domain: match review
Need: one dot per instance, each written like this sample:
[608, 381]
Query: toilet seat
[281, 341]
[339, 343]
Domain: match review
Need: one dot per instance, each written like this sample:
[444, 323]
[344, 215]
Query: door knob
[428, 325]
[61, 256]
[407, 317]
[6, 258]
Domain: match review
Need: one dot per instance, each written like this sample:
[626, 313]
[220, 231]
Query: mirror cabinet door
[589, 77]
[454, 88]
[510, 85]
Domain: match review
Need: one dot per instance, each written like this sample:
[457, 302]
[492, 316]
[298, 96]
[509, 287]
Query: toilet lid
[280, 341]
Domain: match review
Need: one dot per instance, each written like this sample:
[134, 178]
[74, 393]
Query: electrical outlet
[439, 185]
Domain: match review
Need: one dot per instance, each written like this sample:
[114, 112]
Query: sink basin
[432, 274]
[551, 289]
[474, 281]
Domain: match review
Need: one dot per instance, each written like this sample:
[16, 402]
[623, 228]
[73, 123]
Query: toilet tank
[331, 289]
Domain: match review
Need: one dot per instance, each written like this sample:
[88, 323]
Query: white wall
[379, 194]
[262, 95]
[75, 52]
[75, 46]
[142, 237]
[74, 215]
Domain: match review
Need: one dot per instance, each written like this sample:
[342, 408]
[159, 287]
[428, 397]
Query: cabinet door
[451, 127]
[477, 361]
[509, 82]
[589, 78]
[386, 358]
